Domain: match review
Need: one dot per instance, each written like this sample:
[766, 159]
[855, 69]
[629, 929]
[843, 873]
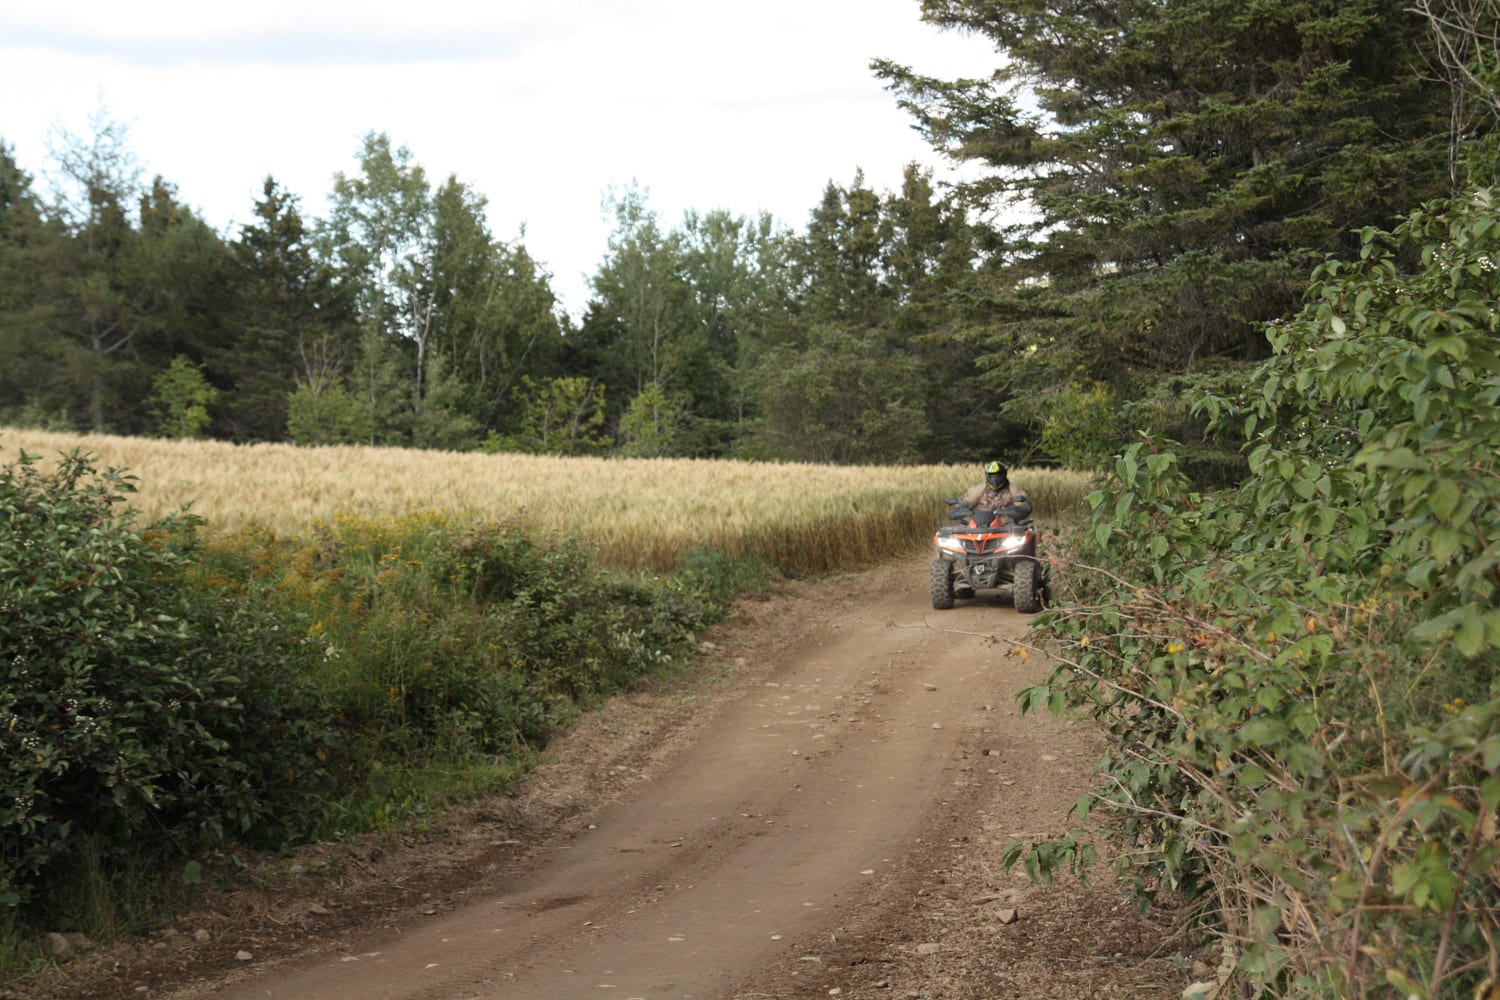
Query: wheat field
[635, 513]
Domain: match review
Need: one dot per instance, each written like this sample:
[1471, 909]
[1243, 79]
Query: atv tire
[940, 584]
[1026, 587]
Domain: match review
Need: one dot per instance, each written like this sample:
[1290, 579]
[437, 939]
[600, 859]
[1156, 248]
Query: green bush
[433, 631]
[1081, 427]
[136, 703]
[1299, 675]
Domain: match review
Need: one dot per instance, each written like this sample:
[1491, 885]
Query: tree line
[400, 319]
[1150, 184]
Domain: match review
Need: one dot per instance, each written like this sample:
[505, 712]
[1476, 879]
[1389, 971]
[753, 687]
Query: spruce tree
[1168, 168]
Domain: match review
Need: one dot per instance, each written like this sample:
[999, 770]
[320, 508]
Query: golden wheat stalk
[636, 513]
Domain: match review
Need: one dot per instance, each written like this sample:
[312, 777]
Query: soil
[819, 810]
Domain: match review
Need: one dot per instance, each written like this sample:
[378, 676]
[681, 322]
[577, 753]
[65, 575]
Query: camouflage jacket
[981, 497]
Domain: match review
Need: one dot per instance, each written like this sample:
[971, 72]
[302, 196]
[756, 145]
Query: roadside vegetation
[1299, 675]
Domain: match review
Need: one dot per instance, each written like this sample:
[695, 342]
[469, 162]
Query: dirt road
[823, 817]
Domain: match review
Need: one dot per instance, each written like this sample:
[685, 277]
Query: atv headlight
[1012, 542]
[951, 544]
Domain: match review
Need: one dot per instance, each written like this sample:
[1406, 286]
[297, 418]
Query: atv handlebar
[1016, 514]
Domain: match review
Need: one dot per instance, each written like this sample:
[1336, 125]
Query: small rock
[243, 956]
[930, 687]
[202, 936]
[79, 942]
[318, 910]
[1006, 916]
[937, 725]
[56, 946]
[930, 948]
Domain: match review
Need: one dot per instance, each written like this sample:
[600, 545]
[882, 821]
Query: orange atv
[987, 549]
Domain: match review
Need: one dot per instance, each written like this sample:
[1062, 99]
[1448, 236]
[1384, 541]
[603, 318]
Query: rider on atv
[995, 494]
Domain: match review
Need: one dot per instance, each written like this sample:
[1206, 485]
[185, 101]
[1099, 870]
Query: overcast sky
[541, 107]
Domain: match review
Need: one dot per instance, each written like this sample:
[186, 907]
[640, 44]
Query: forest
[1154, 184]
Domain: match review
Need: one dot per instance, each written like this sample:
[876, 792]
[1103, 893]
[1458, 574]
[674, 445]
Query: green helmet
[996, 476]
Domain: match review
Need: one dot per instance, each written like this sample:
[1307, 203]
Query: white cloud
[540, 109]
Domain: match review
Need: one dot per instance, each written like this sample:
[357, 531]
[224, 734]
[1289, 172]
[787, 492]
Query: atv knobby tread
[940, 584]
[1025, 587]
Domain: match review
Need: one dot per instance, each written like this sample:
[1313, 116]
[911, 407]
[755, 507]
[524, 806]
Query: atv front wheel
[1025, 587]
[940, 584]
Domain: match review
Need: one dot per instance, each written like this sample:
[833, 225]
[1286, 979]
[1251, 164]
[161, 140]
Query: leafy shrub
[1299, 675]
[1080, 426]
[135, 704]
[431, 630]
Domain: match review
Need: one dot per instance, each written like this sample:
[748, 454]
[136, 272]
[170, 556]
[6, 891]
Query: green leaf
[1489, 788]
[1444, 542]
[1444, 497]
[1468, 637]
[1390, 458]
[1490, 752]
[1492, 627]
[1454, 347]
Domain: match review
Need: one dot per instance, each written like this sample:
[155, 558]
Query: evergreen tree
[294, 321]
[180, 399]
[1178, 161]
[34, 344]
[182, 292]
